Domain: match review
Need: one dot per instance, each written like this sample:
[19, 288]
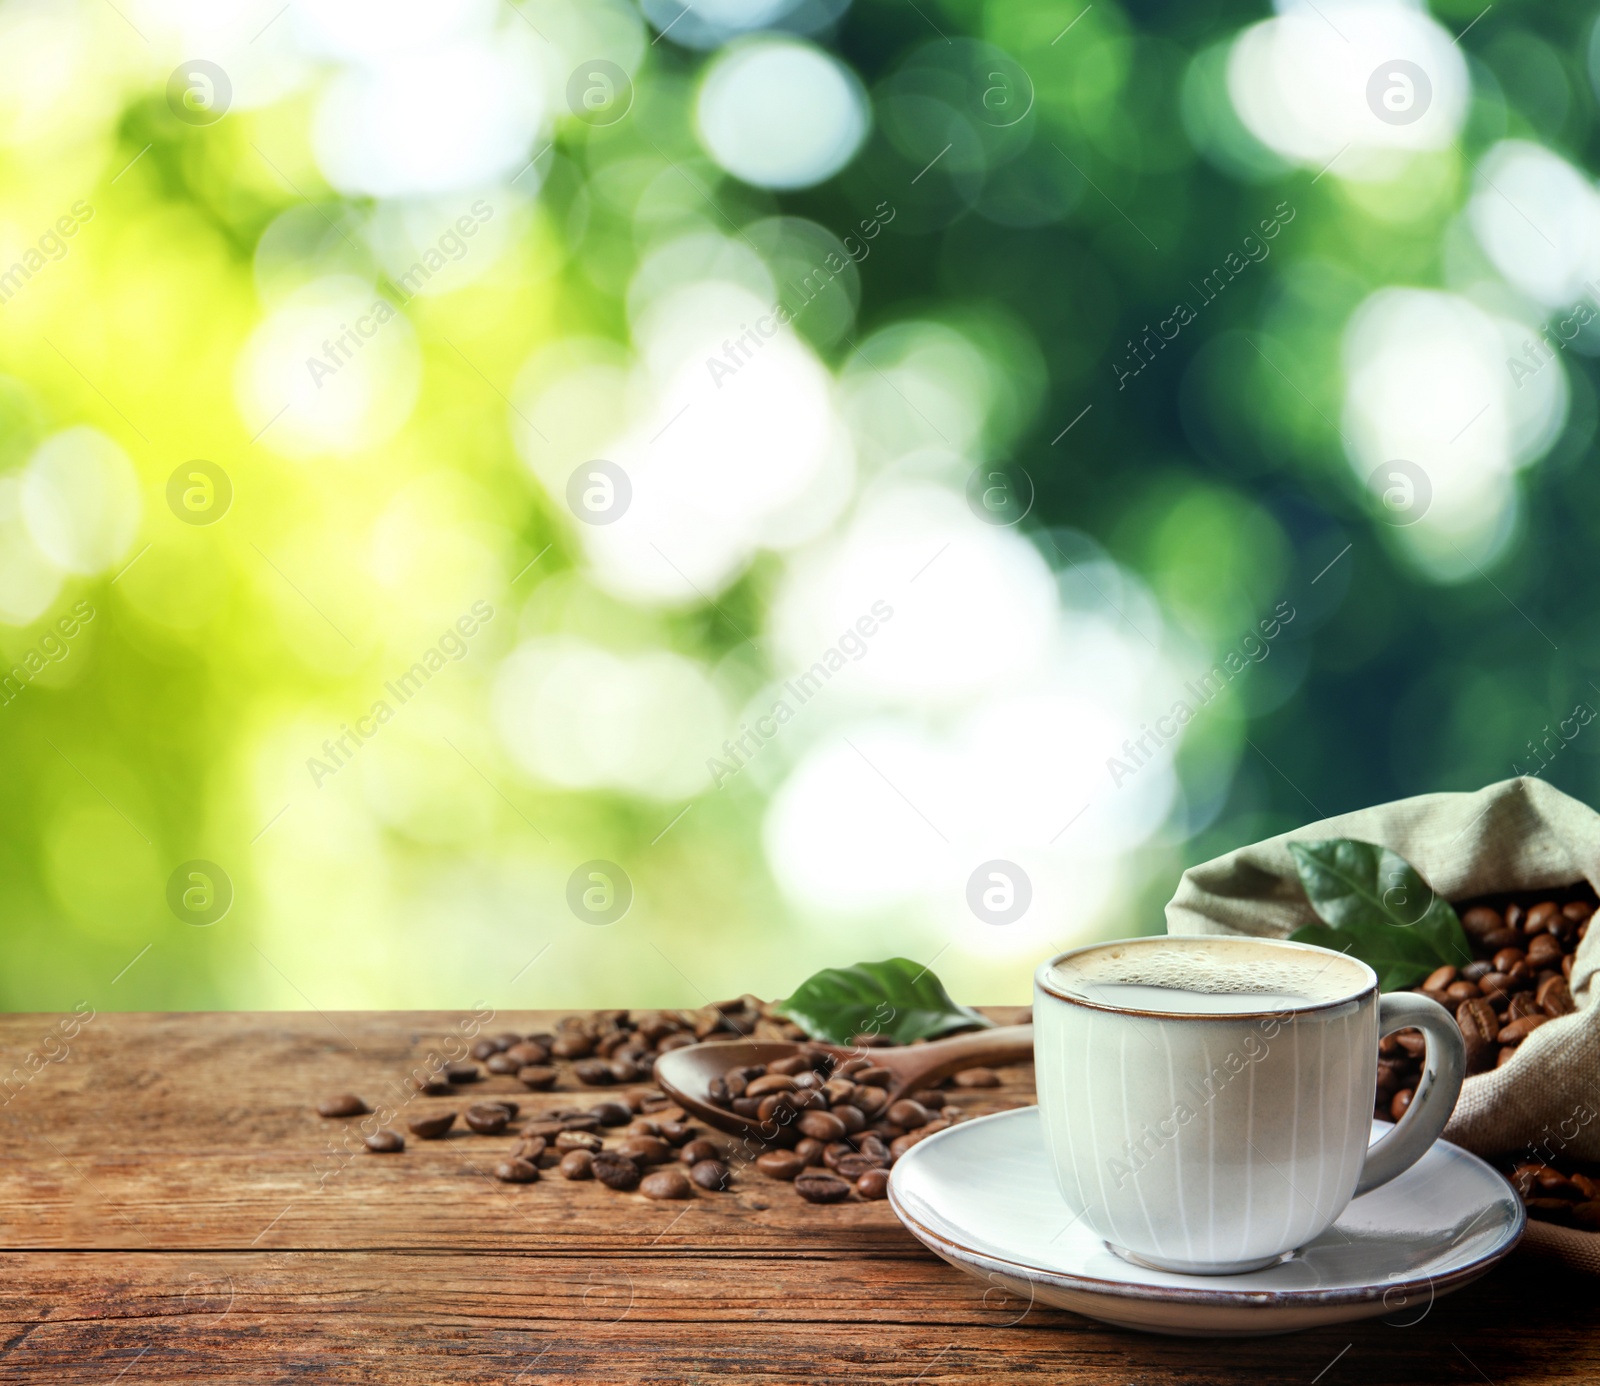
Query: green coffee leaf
[898, 998]
[1376, 907]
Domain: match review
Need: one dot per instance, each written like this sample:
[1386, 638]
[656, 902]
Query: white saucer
[983, 1196]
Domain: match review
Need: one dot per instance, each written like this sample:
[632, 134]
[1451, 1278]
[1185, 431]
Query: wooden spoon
[685, 1074]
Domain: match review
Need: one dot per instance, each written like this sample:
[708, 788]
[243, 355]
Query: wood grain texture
[169, 1210]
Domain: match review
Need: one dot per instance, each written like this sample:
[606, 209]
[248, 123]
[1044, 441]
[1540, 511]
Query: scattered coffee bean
[462, 1073]
[615, 1171]
[577, 1164]
[710, 1174]
[907, 1114]
[385, 1142]
[780, 1164]
[977, 1078]
[578, 1140]
[670, 1182]
[537, 1078]
[486, 1118]
[516, 1172]
[345, 1105]
[697, 1150]
[821, 1188]
[525, 1054]
[431, 1128]
[528, 1148]
[822, 1126]
[611, 1113]
[873, 1184]
[645, 1150]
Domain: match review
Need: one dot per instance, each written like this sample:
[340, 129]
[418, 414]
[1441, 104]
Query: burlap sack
[1518, 834]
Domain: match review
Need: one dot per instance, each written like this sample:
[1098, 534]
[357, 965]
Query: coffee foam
[1211, 967]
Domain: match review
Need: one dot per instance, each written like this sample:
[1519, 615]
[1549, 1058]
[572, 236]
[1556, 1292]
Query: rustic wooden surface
[170, 1211]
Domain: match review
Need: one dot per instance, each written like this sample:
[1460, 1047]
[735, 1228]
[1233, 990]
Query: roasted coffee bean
[577, 1140]
[615, 1171]
[1439, 978]
[462, 1073]
[696, 1151]
[1413, 1042]
[1495, 985]
[594, 1073]
[611, 1113]
[385, 1142]
[809, 1150]
[528, 1148]
[1501, 938]
[821, 1126]
[768, 1108]
[674, 1132]
[839, 1091]
[505, 1041]
[793, 1065]
[780, 1164]
[527, 1054]
[1507, 958]
[735, 1083]
[501, 1064]
[1401, 1101]
[537, 1077]
[907, 1115]
[874, 1077]
[572, 1044]
[709, 1174]
[874, 1147]
[486, 1118]
[484, 1048]
[623, 1070]
[1518, 1030]
[821, 1188]
[431, 1085]
[808, 1079]
[977, 1078]
[646, 1150]
[344, 1105]
[577, 1164]
[854, 1166]
[431, 1128]
[1539, 917]
[1577, 911]
[580, 1121]
[542, 1126]
[516, 1172]
[1481, 921]
[1544, 950]
[1555, 997]
[873, 1184]
[769, 1083]
[1476, 970]
[1462, 991]
[871, 1100]
[670, 1182]
[853, 1117]
[1522, 1004]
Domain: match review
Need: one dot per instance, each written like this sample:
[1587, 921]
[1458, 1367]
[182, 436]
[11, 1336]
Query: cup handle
[1444, 1065]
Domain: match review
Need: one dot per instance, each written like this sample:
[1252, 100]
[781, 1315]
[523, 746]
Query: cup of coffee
[1208, 1100]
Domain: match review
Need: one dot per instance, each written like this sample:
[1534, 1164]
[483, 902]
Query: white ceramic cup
[1212, 1143]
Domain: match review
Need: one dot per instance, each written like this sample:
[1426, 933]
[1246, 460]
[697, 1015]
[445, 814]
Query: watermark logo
[199, 892]
[599, 892]
[1404, 491]
[999, 892]
[199, 92]
[599, 492]
[599, 92]
[1399, 92]
[1000, 494]
[199, 492]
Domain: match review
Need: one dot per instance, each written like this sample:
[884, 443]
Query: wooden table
[170, 1212]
